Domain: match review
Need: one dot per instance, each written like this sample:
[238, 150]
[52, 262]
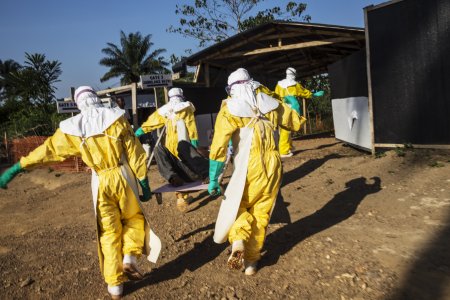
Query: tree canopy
[211, 21]
[131, 58]
[35, 81]
[27, 98]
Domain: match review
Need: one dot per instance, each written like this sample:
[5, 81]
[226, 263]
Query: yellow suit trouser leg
[132, 225]
[261, 214]
[108, 214]
[121, 230]
[251, 224]
[256, 205]
[285, 141]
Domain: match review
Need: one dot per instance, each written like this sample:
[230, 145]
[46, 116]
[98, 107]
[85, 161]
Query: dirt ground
[347, 225]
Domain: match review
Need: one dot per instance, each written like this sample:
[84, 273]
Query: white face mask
[290, 77]
[87, 100]
[176, 99]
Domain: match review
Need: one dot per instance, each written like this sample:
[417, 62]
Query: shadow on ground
[341, 207]
[201, 254]
[306, 168]
[429, 276]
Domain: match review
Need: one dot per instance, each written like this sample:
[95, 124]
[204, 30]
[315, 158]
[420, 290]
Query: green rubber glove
[139, 132]
[318, 94]
[194, 143]
[9, 174]
[293, 103]
[146, 192]
[215, 169]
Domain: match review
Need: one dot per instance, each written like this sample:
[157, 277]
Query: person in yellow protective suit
[106, 143]
[178, 161]
[249, 117]
[290, 91]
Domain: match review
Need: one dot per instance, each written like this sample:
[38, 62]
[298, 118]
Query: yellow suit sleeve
[223, 130]
[191, 125]
[134, 151]
[302, 92]
[267, 91]
[289, 119]
[153, 122]
[56, 148]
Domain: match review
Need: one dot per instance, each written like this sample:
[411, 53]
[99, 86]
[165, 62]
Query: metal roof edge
[237, 36]
[373, 7]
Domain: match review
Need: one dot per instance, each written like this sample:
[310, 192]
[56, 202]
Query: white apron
[235, 189]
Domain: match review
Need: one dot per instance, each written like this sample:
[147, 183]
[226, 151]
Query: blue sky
[74, 32]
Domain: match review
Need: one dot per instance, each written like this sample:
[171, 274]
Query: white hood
[243, 100]
[91, 121]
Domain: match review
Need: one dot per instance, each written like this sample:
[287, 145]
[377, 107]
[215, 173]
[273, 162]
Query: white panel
[205, 126]
[351, 121]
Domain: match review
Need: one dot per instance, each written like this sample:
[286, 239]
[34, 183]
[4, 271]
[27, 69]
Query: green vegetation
[436, 164]
[212, 21]
[380, 154]
[132, 58]
[319, 112]
[27, 96]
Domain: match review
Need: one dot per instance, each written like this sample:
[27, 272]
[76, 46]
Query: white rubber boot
[251, 268]
[236, 259]
[130, 267]
[289, 154]
[115, 291]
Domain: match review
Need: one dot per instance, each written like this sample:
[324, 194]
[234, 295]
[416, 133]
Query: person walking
[290, 92]
[106, 142]
[249, 117]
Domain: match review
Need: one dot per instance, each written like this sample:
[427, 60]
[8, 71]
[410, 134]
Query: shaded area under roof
[268, 49]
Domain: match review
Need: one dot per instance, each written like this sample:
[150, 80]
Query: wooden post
[369, 81]
[308, 120]
[6, 147]
[134, 105]
[207, 79]
[158, 131]
[166, 95]
[304, 114]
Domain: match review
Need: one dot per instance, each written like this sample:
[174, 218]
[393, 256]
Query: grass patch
[436, 164]
[380, 154]
[401, 152]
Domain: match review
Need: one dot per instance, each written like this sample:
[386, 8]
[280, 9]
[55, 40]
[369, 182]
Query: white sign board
[351, 121]
[67, 107]
[155, 80]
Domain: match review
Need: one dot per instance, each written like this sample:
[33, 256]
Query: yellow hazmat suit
[120, 220]
[297, 90]
[264, 171]
[169, 117]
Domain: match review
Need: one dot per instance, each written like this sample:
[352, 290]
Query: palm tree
[35, 81]
[131, 59]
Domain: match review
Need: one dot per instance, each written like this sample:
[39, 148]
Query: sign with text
[155, 80]
[67, 107]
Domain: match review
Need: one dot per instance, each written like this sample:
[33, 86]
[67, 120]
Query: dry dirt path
[346, 226]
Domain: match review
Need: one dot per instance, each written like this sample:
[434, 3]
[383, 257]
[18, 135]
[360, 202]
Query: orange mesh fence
[23, 146]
